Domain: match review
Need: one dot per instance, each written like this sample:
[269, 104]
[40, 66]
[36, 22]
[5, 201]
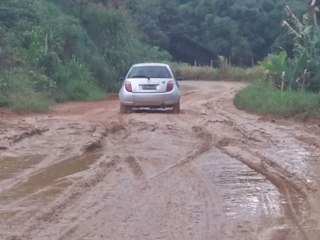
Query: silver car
[149, 85]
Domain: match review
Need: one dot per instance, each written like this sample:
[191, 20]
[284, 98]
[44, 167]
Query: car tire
[176, 108]
[124, 109]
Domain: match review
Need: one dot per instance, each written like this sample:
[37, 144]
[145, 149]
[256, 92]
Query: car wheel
[176, 108]
[124, 109]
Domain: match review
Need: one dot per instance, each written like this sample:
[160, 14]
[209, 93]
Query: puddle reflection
[245, 193]
[49, 177]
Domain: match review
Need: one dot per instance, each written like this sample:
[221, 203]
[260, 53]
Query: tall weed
[230, 73]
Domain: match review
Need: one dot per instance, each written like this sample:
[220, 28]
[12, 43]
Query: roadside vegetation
[54, 51]
[261, 97]
[225, 72]
[292, 85]
[65, 50]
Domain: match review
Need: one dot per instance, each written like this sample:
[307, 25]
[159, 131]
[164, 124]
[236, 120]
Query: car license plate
[149, 87]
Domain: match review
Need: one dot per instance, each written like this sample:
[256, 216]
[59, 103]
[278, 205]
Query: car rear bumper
[149, 99]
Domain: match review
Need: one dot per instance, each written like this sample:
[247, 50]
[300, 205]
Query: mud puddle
[10, 165]
[252, 204]
[245, 195]
[291, 156]
[51, 180]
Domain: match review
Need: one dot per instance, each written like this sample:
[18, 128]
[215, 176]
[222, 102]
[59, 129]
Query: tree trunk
[312, 7]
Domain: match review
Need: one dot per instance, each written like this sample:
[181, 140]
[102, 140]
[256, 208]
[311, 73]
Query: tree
[240, 30]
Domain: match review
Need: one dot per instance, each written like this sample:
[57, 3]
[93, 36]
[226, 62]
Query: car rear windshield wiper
[139, 76]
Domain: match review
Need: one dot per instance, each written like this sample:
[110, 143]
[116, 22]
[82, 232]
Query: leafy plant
[22, 90]
[275, 63]
[75, 82]
[306, 38]
[277, 67]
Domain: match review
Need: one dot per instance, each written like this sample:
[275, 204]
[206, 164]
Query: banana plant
[275, 64]
[306, 37]
[277, 68]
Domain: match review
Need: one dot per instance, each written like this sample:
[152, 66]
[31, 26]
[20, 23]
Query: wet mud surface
[83, 171]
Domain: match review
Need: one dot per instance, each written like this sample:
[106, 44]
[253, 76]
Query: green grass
[225, 72]
[262, 97]
[35, 102]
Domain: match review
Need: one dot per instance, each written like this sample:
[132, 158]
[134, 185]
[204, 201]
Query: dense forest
[77, 49]
[242, 30]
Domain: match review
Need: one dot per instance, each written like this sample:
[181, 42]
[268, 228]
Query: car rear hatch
[149, 85]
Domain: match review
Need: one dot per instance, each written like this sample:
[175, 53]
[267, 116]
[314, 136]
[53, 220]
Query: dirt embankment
[84, 171]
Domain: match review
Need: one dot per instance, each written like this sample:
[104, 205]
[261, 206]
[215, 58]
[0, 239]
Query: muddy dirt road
[212, 172]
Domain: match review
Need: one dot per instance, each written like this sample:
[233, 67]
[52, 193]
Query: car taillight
[170, 85]
[128, 86]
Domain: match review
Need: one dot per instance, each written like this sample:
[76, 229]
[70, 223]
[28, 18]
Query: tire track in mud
[205, 143]
[211, 198]
[287, 183]
[107, 166]
[91, 153]
[202, 215]
[117, 132]
[28, 134]
[184, 164]
[50, 215]
[310, 141]
[13, 137]
[203, 146]
[97, 133]
[284, 186]
[204, 137]
[124, 180]
[247, 139]
[287, 188]
[134, 166]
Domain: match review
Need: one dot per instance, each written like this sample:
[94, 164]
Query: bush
[262, 97]
[76, 83]
[25, 90]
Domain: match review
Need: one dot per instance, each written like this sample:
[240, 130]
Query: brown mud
[83, 171]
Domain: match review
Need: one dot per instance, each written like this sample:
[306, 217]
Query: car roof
[151, 64]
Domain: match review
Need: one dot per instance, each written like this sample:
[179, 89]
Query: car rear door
[149, 79]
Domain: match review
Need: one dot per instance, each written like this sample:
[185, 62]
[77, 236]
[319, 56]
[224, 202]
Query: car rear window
[149, 72]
